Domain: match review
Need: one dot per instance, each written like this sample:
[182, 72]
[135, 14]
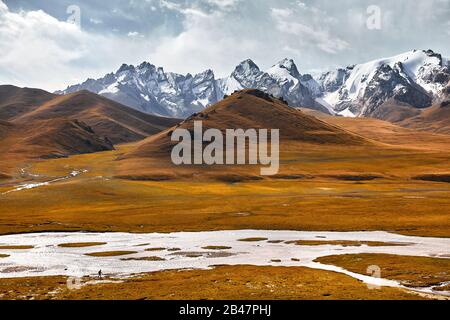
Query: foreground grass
[237, 282]
[410, 271]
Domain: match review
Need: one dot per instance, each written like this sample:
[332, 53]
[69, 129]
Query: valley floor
[67, 264]
[362, 191]
[222, 283]
[318, 189]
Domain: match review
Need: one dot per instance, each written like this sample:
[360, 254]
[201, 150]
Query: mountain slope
[57, 138]
[387, 133]
[46, 139]
[434, 119]
[5, 128]
[15, 101]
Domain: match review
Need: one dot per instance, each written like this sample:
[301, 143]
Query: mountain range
[150, 89]
[412, 81]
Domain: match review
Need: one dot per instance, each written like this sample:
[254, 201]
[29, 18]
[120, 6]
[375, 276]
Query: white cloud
[134, 34]
[206, 42]
[194, 7]
[281, 13]
[95, 21]
[192, 10]
[223, 4]
[3, 7]
[222, 38]
[307, 35]
[41, 51]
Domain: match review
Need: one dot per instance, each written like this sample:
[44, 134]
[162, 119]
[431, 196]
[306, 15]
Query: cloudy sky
[44, 44]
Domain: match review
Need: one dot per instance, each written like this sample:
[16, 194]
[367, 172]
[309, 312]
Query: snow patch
[33, 185]
[282, 74]
[347, 113]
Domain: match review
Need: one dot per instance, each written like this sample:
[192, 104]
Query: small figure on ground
[100, 274]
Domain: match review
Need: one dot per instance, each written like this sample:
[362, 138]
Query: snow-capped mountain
[281, 80]
[152, 90]
[415, 78]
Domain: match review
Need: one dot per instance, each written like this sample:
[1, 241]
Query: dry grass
[217, 248]
[443, 288]
[96, 201]
[253, 239]
[110, 253]
[4, 176]
[145, 259]
[81, 244]
[93, 205]
[410, 271]
[16, 247]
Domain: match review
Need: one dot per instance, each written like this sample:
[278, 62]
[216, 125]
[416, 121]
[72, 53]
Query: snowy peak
[285, 67]
[416, 65]
[416, 78]
[205, 75]
[146, 65]
[289, 64]
[150, 89]
[285, 71]
[283, 80]
[246, 65]
[246, 70]
[331, 81]
[125, 68]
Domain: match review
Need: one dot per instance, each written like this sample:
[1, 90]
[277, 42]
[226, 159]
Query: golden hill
[107, 118]
[253, 109]
[35, 124]
[247, 109]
